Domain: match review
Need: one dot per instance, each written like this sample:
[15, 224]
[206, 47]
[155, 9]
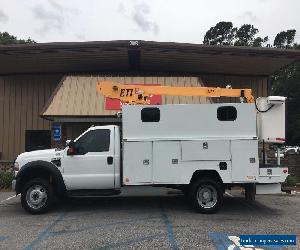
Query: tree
[220, 34]
[260, 42]
[245, 35]
[286, 82]
[6, 38]
[284, 39]
[223, 33]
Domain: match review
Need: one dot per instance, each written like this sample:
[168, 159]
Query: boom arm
[139, 94]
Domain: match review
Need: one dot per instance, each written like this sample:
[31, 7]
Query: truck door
[93, 165]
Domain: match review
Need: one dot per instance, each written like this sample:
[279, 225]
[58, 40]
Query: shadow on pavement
[175, 203]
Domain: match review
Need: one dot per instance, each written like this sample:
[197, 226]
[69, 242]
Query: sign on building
[56, 132]
[114, 104]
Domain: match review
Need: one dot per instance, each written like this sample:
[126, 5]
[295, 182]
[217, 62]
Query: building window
[97, 140]
[227, 113]
[37, 140]
[150, 114]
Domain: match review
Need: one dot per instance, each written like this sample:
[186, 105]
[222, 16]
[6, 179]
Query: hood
[46, 154]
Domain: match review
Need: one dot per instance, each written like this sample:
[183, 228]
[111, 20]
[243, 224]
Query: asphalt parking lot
[145, 219]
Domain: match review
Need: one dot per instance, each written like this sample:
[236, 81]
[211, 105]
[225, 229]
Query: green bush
[292, 180]
[6, 179]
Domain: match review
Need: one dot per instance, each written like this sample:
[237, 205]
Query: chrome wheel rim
[207, 196]
[36, 196]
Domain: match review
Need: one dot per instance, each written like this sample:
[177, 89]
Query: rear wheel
[37, 196]
[206, 195]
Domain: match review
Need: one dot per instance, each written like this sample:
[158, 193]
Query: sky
[152, 20]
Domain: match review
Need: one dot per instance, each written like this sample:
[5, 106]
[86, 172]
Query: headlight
[16, 166]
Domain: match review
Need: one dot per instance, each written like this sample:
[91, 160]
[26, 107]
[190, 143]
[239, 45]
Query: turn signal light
[16, 166]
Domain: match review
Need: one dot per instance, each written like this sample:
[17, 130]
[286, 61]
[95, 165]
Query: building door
[37, 140]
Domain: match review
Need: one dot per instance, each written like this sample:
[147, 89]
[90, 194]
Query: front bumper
[13, 185]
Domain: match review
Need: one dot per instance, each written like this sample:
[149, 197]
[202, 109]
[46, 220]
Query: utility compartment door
[166, 162]
[206, 150]
[137, 163]
[244, 160]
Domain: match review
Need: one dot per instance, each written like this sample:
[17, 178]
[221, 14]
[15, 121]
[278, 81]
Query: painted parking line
[9, 198]
[169, 229]
[44, 234]
[229, 194]
[3, 238]
[86, 228]
[47, 233]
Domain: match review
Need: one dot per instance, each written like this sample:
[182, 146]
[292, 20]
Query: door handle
[110, 160]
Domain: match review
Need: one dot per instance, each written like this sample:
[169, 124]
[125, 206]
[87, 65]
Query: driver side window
[97, 140]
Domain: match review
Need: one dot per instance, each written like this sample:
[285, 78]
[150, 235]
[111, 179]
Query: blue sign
[56, 132]
[223, 241]
[268, 240]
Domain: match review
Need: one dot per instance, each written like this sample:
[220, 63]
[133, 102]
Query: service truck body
[185, 139]
[166, 145]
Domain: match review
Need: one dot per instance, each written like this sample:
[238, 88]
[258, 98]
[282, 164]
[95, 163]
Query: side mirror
[72, 149]
[68, 142]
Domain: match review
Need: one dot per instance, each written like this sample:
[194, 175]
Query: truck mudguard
[46, 168]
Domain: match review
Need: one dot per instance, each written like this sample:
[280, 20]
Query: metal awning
[142, 57]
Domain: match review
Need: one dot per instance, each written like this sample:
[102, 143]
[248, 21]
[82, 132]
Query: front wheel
[206, 196]
[37, 196]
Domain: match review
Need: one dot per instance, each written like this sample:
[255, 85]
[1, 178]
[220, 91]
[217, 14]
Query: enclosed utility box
[271, 119]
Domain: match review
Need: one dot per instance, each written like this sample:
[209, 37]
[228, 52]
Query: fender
[46, 167]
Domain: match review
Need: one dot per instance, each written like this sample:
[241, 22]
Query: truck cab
[89, 163]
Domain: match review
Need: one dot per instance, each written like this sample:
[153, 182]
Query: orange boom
[139, 94]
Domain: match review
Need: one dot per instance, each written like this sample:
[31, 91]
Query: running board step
[93, 193]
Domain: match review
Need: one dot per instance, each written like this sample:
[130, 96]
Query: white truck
[201, 149]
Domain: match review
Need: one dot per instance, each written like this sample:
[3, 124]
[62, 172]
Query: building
[52, 85]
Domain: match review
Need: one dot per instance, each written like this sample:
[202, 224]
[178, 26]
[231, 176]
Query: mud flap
[272, 188]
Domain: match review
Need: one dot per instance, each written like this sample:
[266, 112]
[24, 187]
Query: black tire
[215, 197]
[36, 190]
